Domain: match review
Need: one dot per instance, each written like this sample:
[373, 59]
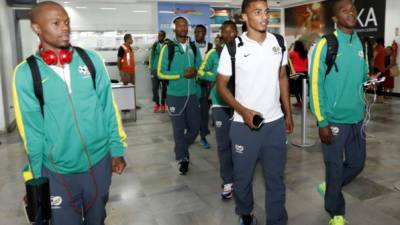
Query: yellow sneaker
[337, 220]
[321, 188]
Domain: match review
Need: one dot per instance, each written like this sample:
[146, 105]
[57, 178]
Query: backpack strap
[231, 46]
[171, 53]
[209, 46]
[333, 46]
[37, 81]
[194, 49]
[86, 59]
[219, 50]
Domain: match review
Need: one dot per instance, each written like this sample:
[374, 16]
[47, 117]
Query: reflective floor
[151, 192]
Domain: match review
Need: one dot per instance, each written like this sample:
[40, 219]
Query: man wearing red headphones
[72, 133]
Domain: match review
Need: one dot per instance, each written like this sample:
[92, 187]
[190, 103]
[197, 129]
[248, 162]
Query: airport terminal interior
[151, 191]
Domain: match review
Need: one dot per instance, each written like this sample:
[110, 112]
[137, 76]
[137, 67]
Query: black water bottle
[38, 201]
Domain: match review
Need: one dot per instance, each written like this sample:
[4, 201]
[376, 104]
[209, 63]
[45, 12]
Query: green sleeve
[209, 66]
[317, 82]
[111, 112]
[162, 67]
[28, 117]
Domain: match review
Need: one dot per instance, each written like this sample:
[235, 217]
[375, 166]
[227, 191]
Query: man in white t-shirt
[261, 86]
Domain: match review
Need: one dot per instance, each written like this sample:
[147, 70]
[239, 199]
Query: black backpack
[171, 52]
[209, 47]
[37, 79]
[332, 50]
[232, 52]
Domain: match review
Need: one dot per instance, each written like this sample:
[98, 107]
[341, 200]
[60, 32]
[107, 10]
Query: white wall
[8, 62]
[135, 18]
[392, 22]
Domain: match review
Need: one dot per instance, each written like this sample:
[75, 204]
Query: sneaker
[337, 220]
[183, 167]
[156, 108]
[321, 188]
[204, 143]
[163, 109]
[227, 192]
[248, 220]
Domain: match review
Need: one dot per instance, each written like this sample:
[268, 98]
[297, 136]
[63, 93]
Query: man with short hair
[221, 112]
[261, 93]
[178, 63]
[200, 40]
[73, 133]
[159, 103]
[336, 100]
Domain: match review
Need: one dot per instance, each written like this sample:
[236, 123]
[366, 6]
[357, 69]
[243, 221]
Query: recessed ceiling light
[140, 11]
[81, 7]
[167, 12]
[66, 2]
[108, 8]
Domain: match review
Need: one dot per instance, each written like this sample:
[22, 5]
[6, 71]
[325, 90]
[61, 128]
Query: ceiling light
[106, 8]
[167, 12]
[81, 7]
[140, 11]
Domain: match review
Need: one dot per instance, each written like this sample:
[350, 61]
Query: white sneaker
[227, 191]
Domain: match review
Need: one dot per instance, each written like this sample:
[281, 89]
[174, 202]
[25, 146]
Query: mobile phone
[257, 120]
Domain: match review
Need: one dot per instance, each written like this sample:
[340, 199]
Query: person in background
[75, 138]
[379, 66]
[221, 112]
[159, 103]
[126, 61]
[204, 47]
[388, 84]
[299, 59]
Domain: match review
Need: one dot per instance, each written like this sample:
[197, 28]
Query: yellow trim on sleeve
[27, 175]
[121, 131]
[161, 75]
[17, 109]
[315, 77]
[204, 63]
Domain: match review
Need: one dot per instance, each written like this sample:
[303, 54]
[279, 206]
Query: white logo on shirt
[276, 50]
[172, 109]
[83, 70]
[218, 124]
[361, 54]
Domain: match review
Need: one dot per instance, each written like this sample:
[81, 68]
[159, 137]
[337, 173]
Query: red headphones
[51, 58]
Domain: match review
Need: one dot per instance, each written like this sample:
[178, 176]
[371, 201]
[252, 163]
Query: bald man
[73, 134]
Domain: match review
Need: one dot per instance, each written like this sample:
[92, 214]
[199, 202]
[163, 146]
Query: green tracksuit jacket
[208, 71]
[338, 97]
[55, 140]
[178, 85]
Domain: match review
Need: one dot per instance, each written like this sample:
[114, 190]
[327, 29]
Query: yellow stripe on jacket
[159, 73]
[201, 71]
[315, 77]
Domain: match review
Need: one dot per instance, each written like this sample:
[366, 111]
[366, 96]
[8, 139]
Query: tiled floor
[152, 193]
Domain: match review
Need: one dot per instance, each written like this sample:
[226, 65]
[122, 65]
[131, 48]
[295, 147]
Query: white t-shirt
[184, 46]
[64, 74]
[257, 76]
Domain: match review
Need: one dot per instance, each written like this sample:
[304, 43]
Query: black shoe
[183, 167]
